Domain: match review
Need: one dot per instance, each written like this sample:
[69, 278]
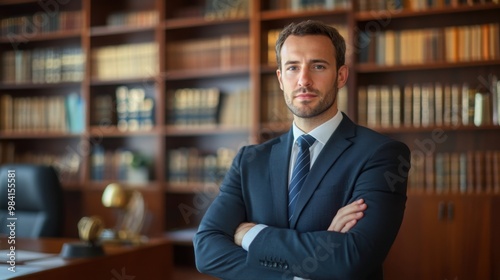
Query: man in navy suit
[351, 204]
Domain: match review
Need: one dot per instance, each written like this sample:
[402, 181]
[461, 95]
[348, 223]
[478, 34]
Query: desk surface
[148, 261]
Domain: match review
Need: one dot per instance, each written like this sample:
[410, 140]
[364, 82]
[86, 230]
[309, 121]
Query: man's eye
[292, 68]
[319, 67]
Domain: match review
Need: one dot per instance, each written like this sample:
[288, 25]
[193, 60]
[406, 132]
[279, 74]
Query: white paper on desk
[23, 256]
[5, 273]
[49, 262]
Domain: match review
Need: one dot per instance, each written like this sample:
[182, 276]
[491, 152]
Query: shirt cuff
[250, 236]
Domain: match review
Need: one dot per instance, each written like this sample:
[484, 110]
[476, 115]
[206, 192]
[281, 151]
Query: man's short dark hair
[313, 27]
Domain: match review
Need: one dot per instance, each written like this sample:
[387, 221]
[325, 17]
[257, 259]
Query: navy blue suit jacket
[355, 163]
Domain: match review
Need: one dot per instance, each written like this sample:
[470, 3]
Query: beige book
[390, 48]
[417, 105]
[466, 104]
[408, 106]
[438, 104]
[427, 105]
[447, 105]
[456, 110]
[362, 105]
[385, 106]
[373, 106]
[396, 106]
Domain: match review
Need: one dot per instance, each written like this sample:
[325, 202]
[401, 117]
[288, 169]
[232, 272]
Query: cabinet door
[495, 237]
[469, 234]
[419, 251]
[442, 237]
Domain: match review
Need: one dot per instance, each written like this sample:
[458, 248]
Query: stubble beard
[306, 111]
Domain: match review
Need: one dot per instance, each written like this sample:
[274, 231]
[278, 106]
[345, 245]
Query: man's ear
[278, 73]
[342, 75]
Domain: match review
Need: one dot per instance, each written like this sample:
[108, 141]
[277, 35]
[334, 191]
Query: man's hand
[344, 220]
[242, 229]
[348, 216]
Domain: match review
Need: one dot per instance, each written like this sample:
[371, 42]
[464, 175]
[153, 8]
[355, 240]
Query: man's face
[308, 76]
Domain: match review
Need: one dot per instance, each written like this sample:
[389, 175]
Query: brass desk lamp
[131, 214]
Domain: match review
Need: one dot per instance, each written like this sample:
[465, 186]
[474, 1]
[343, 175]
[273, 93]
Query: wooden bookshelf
[199, 30]
[436, 220]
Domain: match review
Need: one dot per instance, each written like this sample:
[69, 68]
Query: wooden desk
[149, 261]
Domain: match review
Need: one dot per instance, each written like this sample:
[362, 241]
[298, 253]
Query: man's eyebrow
[312, 61]
[319, 61]
[291, 62]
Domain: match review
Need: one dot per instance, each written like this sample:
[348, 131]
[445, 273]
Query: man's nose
[305, 78]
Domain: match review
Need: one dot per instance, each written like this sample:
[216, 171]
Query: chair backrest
[35, 196]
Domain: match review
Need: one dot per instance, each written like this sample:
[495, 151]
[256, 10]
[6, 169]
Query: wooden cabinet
[495, 241]
[444, 237]
[204, 74]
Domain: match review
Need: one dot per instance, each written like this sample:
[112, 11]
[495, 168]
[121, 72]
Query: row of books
[67, 164]
[428, 105]
[43, 65]
[273, 34]
[222, 53]
[391, 5]
[418, 46]
[139, 18]
[228, 9]
[134, 110]
[120, 164]
[299, 5]
[456, 172]
[129, 108]
[274, 109]
[235, 110]
[190, 165]
[195, 106]
[40, 22]
[125, 61]
[42, 113]
[209, 107]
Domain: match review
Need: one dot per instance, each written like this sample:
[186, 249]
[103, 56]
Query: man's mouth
[305, 94]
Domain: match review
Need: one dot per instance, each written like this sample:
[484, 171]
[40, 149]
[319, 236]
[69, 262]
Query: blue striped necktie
[300, 171]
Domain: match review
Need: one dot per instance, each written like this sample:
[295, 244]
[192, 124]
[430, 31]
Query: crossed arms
[343, 221]
[353, 245]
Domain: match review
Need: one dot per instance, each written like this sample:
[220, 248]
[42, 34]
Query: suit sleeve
[381, 182]
[216, 253]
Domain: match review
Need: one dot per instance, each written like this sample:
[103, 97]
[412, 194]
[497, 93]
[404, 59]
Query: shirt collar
[323, 132]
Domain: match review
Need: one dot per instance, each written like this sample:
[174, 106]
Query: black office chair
[37, 200]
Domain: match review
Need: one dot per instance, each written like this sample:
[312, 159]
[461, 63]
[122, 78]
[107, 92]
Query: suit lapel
[278, 165]
[332, 150]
